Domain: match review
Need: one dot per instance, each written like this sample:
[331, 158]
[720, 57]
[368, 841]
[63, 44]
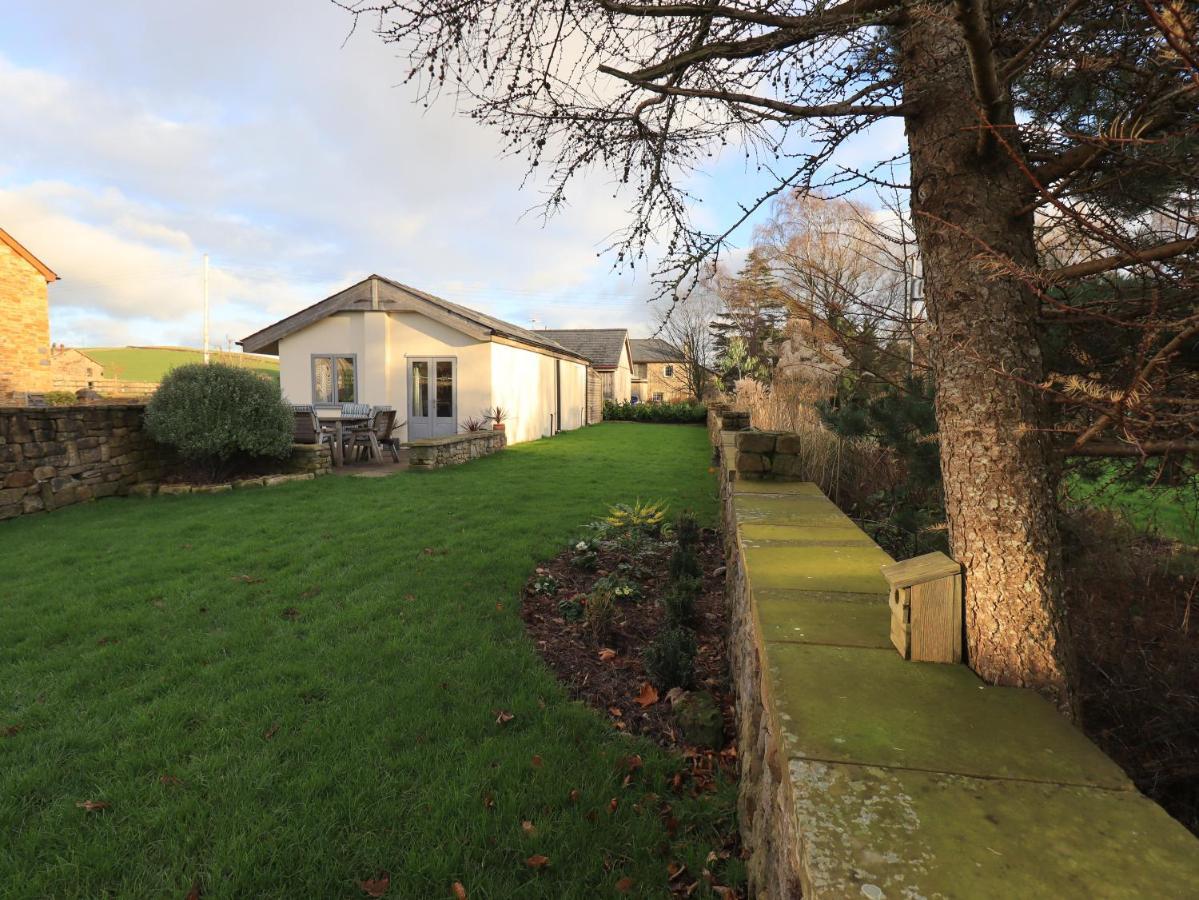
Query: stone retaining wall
[53, 457]
[865, 775]
[454, 449]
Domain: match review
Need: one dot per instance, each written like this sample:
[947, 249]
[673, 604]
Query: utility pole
[205, 309]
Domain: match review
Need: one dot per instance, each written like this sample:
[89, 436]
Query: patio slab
[871, 707]
[871, 832]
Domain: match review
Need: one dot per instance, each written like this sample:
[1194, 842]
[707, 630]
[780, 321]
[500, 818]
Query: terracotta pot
[497, 426]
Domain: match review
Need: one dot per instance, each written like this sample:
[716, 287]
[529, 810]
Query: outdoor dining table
[339, 422]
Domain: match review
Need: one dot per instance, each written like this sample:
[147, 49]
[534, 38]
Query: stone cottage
[24, 322]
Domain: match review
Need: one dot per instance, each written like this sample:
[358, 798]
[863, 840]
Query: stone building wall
[53, 457]
[24, 328]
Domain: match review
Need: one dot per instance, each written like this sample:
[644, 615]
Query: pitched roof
[394, 296]
[652, 350]
[600, 345]
[43, 269]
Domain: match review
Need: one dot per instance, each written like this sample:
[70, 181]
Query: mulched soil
[613, 685]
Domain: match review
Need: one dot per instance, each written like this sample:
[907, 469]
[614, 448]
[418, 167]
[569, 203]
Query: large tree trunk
[999, 489]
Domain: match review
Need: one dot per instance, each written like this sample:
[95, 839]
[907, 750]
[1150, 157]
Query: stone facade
[24, 324]
[53, 457]
[435, 453]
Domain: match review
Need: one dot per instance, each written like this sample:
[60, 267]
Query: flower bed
[608, 670]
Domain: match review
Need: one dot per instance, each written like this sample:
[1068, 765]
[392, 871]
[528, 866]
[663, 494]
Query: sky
[139, 135]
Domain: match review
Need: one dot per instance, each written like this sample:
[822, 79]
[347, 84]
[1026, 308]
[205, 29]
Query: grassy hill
[152, 363]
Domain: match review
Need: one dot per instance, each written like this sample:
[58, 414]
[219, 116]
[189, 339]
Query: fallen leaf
[536, 761]
[489, 800]
[410, 597]
[247, 579]
[625, 885]
[11, 730]
[504, 717]
[540, 703]
[105, 641]
[459, 890]
[93, 805]
[194, 893]
[185, 546]
[607, 654]
[528, 827]
[574, 796]
[675, 871]
[310, 593]
[271, 732]
[616, 711]
[537, 861]
[724, 893]
[169, 779]
[633, 763]
[376, 887]
[291, 614]
[648, 696]
[674, 695]
[612, 804]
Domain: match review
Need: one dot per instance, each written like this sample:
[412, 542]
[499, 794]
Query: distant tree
[688, 326]
[754, 308]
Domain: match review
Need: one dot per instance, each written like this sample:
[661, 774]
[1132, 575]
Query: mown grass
[148, 638]
[1169, 510]
[153, 363]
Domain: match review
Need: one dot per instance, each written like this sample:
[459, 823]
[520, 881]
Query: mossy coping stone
[908, 779]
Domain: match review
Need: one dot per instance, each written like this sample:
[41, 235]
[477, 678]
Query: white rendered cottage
[384, 343]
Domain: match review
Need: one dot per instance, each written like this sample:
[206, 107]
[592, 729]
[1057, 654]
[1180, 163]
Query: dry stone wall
[53, 457]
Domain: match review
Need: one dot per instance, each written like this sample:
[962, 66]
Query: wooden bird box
[926, 608]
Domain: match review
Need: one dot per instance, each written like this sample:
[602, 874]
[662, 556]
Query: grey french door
[432, 397]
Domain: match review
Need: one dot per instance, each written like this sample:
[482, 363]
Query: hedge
[655, 412]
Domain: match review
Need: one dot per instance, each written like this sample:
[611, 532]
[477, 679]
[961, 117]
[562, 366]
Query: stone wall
[769, 454]
[455, 449]
[53, 457]
[315, 459]
[106, 387]
[866, 775]
[24, 328]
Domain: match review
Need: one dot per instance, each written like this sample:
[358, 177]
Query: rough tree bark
[999, 487]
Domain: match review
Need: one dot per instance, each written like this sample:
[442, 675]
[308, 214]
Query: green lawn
[153, 363]
[145, 638]
[1170, 511]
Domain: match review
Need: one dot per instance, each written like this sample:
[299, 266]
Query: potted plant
[496, 416]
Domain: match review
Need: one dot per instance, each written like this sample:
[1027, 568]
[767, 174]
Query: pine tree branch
[852, 13]
[1119, 448]
[988, 90]
[1120, 260]
[1020, 60]
[844, 108]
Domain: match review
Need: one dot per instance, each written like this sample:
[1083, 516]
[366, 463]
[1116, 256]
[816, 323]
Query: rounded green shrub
[217, 416]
